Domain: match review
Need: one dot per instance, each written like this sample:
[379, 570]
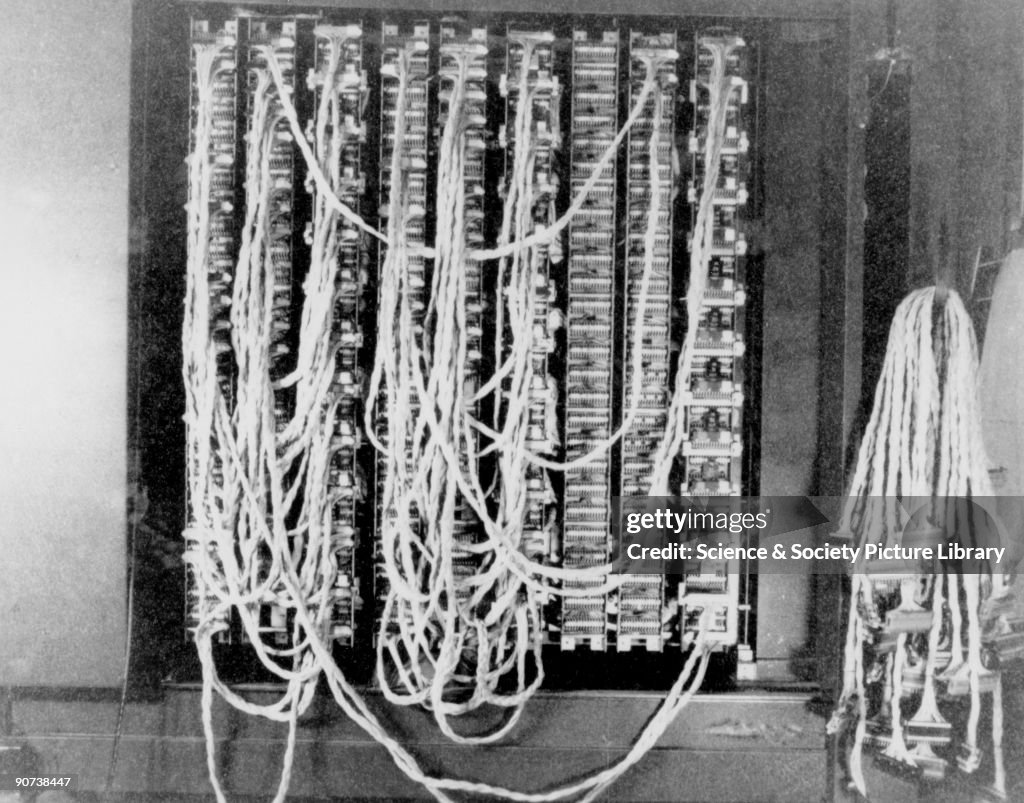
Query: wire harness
[272, 423]
[918, 630]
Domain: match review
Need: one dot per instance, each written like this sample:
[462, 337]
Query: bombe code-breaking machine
[584, 75]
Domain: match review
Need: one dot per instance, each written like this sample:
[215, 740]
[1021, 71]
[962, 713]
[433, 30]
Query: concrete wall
[64, 229]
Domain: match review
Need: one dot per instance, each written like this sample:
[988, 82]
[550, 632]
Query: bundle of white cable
[922, 441]
[260, 503]
[720, 88]
[259, 496]
[443, 642]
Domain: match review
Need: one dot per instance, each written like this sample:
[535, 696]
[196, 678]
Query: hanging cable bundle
[498, 611]
[461, 625]
[914, 622]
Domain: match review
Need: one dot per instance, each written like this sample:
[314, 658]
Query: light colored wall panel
[63, 229]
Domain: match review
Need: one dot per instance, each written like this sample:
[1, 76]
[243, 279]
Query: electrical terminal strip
[711, 585]
[735, 141]
[722, 627]
[716, 380]
[714, 585]
[717, 334]
[279, 37]
[342, 47]
[641, 599]
[413, 48]
[710, 432]
[727, 240]
[589, 358]
[543, 95]
[221, 235]
[714, 406]
[468, 47]
[590, 384]
[728, 192]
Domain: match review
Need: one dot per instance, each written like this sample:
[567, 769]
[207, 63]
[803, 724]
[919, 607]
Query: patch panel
[613, 277]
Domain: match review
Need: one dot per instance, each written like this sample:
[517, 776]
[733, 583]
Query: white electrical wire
[922, 442]
[261, 509]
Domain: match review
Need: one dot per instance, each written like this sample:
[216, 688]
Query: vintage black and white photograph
[507, 401]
